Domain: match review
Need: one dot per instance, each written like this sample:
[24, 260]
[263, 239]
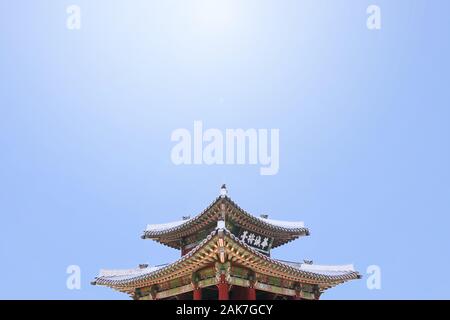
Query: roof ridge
[166, 228]
[103, 280]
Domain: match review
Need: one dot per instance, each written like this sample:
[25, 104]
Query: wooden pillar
[251, 293]
[223, 288]
[197, 293]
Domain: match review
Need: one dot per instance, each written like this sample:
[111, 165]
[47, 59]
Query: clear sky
[86, 119]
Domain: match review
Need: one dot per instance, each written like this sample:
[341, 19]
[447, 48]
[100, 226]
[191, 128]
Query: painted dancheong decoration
[226, 254]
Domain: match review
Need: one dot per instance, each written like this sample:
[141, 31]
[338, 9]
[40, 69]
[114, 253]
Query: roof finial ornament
[223, 191]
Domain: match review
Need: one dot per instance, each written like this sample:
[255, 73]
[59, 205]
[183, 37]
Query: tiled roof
[157, 230]
[326, 270]
[289, 229]
[313, 272]
[318, 273]
[119, 279]
[165, 227]
[284, 224]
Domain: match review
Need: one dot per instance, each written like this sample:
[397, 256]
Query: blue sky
[86, 119]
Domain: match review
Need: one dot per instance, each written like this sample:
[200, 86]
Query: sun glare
[213, 15]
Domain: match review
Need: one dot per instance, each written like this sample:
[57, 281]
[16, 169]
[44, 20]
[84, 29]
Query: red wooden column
[197, 293]
[251, 293]
[223, 288]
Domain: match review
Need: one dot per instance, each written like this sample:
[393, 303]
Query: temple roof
[326, 270]
[162, 228]
[172, 233]
[206, 252]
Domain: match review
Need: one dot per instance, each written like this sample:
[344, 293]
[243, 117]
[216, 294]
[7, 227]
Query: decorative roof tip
[223, 191]
[220, 224]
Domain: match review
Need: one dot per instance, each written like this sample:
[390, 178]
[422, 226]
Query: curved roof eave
[156, 231]
[121, 282]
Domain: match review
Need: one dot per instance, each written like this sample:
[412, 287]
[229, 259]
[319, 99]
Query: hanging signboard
[255, 240]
